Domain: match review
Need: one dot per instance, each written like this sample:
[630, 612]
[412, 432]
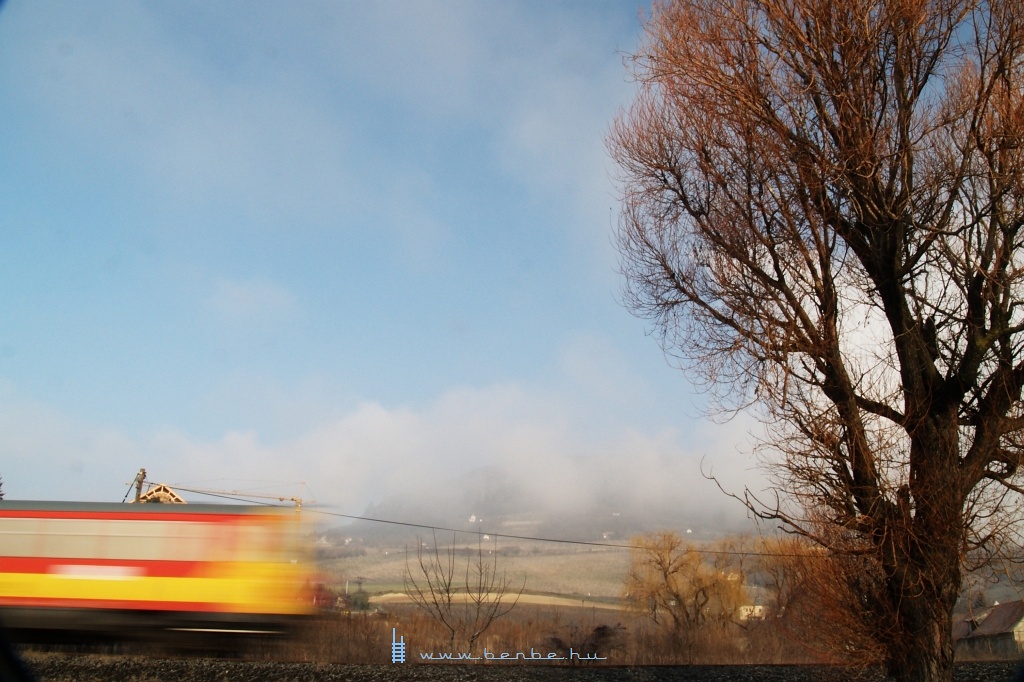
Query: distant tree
[682, 590]
[464, 600]
[1, 487]
[823, 214]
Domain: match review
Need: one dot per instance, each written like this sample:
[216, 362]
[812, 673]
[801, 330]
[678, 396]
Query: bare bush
[600, 642]
[464, 600]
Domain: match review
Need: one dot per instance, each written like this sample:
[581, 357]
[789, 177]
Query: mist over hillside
[489, 502]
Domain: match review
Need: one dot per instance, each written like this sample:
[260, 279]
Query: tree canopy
[822, 212]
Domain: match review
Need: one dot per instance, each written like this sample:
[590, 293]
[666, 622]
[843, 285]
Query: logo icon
[397, 647]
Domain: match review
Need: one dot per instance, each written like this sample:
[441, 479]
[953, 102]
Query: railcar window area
[19, 537]
[259, 542]
[108, 539]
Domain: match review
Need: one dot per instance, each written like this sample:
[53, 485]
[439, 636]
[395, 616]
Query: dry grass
[597, 572]
[630, 639]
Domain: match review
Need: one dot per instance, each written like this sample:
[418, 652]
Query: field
[576, 573]
[391, 599]
[570, 594]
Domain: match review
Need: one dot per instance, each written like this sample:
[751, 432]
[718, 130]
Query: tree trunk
[926, 653]
[922, 593]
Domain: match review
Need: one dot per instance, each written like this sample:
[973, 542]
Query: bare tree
[464, 601]
[822, 213]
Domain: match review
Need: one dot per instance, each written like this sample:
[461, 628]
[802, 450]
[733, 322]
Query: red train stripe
[82, 567]
[122, 604]
[121, 516]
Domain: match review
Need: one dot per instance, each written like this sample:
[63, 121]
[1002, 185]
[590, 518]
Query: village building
[996, 632]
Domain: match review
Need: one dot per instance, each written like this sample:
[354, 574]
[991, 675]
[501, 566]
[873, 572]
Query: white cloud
[47, 454]
[525, 438]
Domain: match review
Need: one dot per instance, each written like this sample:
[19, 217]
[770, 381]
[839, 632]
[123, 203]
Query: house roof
[1001, 619]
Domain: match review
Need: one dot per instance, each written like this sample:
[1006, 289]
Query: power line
[408, 524]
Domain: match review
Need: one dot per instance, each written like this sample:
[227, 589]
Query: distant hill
[484, 501]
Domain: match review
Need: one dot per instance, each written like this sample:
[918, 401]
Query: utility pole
[140, 478]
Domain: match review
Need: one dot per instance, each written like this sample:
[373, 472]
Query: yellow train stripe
[252, 590]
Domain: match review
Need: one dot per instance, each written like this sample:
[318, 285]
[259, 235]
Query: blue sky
[368, 246]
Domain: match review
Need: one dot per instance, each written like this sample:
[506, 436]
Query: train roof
[147, 508]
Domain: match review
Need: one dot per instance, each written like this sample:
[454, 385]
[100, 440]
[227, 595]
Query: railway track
[105, 668]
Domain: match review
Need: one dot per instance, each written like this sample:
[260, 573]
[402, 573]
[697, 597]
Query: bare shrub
[602, 641]
[465, 601]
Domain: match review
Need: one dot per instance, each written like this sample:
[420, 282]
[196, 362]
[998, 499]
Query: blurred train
[75, 571]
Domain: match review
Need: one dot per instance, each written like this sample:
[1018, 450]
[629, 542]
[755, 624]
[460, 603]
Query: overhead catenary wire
[508, 536]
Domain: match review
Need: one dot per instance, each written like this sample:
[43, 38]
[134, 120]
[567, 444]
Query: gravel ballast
[98, 668]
